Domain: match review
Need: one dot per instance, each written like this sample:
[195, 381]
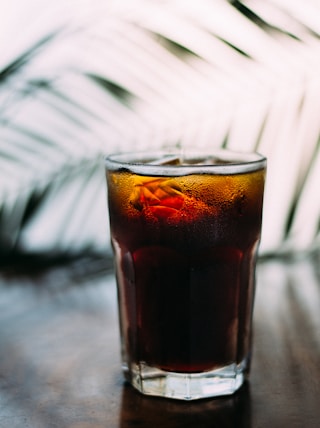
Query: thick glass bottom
[187, 386]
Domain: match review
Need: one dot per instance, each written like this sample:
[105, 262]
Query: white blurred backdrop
[81, 79]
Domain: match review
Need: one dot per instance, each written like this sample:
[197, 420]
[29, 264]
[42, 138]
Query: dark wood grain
[60, 364]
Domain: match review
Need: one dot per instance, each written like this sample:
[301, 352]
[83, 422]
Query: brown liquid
[185, 249]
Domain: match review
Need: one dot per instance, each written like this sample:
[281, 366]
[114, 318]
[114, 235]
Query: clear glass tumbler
[185, 230]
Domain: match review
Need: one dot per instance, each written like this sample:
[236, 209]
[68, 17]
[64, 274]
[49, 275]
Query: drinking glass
[185, 229]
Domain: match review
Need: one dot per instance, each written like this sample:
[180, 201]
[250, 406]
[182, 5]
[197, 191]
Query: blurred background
[83, 78]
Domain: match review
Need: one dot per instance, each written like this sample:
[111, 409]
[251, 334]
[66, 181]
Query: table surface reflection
[60, 365]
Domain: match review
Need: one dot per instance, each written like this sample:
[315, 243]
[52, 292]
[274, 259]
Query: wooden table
[60, 365]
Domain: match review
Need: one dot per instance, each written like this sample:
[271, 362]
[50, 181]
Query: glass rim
[146, 162]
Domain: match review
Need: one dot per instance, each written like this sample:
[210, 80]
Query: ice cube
[166, 160]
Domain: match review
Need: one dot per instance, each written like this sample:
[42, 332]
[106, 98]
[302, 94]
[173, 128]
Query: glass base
[187, 386]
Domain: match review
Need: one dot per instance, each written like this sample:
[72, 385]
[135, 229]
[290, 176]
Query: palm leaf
[145, 74]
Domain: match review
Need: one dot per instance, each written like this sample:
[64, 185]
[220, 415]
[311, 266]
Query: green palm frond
[144, 74]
